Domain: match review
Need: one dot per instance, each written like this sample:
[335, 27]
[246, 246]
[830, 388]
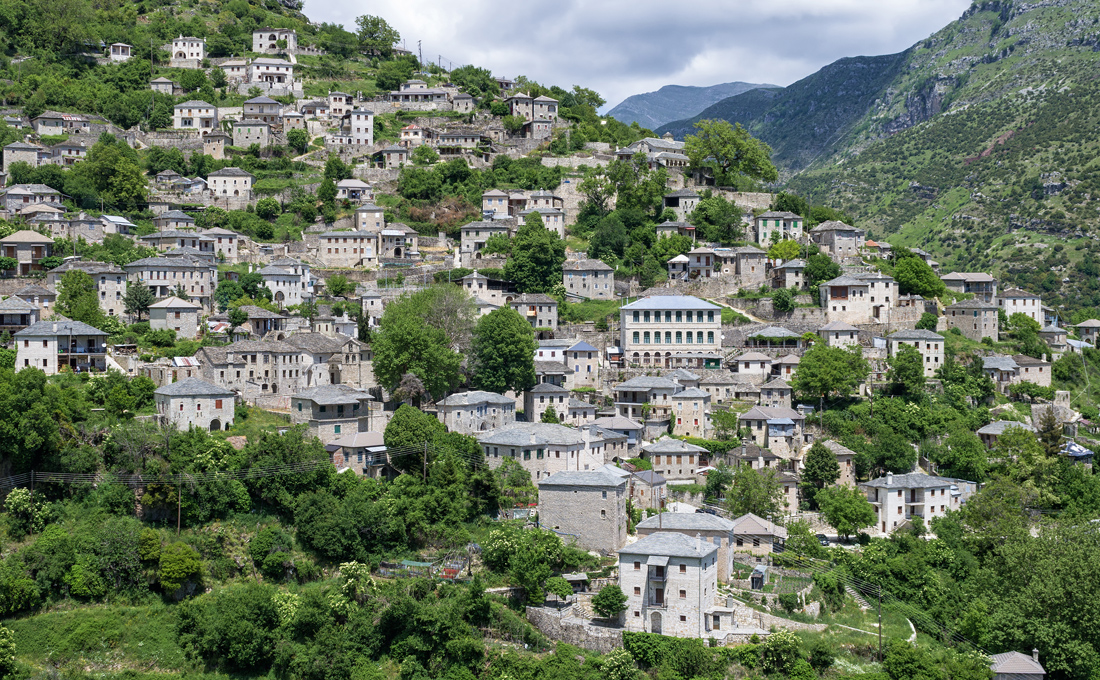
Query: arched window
[679, 337]
[657, 337]
[636, 317]
[646, 336]
[689, 338]
[636, 337]
[710, 317]
[645, 317]
[710, 337]
[699, 337]
[668, 337]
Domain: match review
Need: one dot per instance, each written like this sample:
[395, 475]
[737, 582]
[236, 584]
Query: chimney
[889, 478]
[1035, 655]
[699, 549]
[760, 462]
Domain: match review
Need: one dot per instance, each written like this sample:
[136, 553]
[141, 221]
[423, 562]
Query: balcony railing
[102, 349]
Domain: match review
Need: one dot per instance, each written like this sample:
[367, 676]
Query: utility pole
[425, 461]
[179, 504]
[420, 54]
[880, 624]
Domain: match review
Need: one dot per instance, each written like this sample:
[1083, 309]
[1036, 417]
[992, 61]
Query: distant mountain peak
[674, 102]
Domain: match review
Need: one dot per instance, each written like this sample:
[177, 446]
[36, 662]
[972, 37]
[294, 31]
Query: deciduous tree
[731, 151]
[846, 509]
[537, 257]
[825, 371]
[757, 491]
[137, 299]
[503, 352]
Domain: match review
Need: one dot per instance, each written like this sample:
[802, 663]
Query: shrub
[180, 569]
[609, 602]
[789, 602]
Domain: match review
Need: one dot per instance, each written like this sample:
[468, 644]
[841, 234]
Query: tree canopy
[731, 151]
[537, 257]
[503, 352]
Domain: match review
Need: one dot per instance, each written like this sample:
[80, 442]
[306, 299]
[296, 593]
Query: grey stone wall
[572, 631]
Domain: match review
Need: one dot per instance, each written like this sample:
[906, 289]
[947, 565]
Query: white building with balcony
[900, 498]
[670, 581]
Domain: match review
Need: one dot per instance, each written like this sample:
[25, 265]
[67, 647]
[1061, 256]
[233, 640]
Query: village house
[991, 432]
[1006, 371]
[163, 85]
[682, 202]
[975, 318]
[364, 453]
[552, 218]
[475, 234]
[213, 145]
[236, 71]
[331, 411]
[355, 190]
[588, 279]
[59, 342]
[20, 152]
[55, 123]
[774, 226]
[174, 220]
[670, 581]
[626, 427]
[656, 328]
[192, 402]
[662, 152]
[540, 310]
[929, 343]
[165, 276]
[21, 195]
[260, 322]
[1089, 330]
[476, 411]
[584, 360]
[27, 248]
[647, 489]
[286, 285]
[675, 459]
[543, 397]
[1017, 301]
[187, 52]
[16, 314]
[394, 156]
[756, 536]
[42, 298]
[749, 264]
[979, 284]
[68, 154]
[589, 505]
[670, 228]
[195, 115]
[646, 397]
[543, 448]
[266, 40]
[231, 182]
[119, 52]
[838, 240]
[839, 334]
[251, 131]
[109, 278]
[899, 498]
[263, 109]
[790, 274]
[1017, 666]
[753, 367]
[775, 393]
[171, 239]
[713, 529]
[174, 314]
[224, 242]
[270, 70]
[776, 428]
[368, 217]
[347, 249]
[690, 408]
[859, 299]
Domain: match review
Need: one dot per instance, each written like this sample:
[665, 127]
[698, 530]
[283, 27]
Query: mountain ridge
[672, 102]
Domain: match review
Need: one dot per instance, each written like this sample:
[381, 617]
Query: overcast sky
[620, 48]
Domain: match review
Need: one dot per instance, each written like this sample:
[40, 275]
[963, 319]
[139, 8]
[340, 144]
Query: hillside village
[711, 395]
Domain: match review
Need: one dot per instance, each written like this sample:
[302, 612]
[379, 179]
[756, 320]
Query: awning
[657, 560]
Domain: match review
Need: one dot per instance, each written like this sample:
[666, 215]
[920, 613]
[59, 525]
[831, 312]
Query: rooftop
[475, 397]
[597, 478]
[670, 544]
[333, 395]
[685, 521]
[670, 302]
[193, 387]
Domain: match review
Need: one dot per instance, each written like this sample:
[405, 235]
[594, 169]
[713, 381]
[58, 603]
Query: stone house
[195, 115]
[670, 581]
[775, 226]
[476, 411]
[540, 310]
[394, 156]
[364, 453]
[584, 359]
[838, 240]
[293, 120]
[225, 243]
[266, 40]
[28, 248]
[588, 505]
[990, 433]
[475, 234]
[844, 458]
[979, 284]
[174, 314]
[1030, 369]
[790, 274]
[589, 279]
[20, 152]
[682, 202]
[757, 536]
[776, 428]
[628, 428]
[236, 71]
[753, 367]
[399, 242]
[68, 153]
[552, 218]
[775, 393]
[21, 195]
[163, 85]
[463, 103]
[187, 52]
[899, 498]
[16, 314]
[346, 249]
[647, 489]
[110, 282]
[702, 263]
[368, 217]
[646, 397]
[656, 328]
[1089, 330]
[285, 285]
[976, 319]
[331, 411]
[578, 412]
[749, 264]
[713, 529]
[846, 299]
[545, 108]
[1017, 666]
[839, 334]
[42, 298]
[171, 239]
[164, 275]
[264, 109]
[522, 105]
[542, 397]
[193, 402]
[270, 70]
[357, 190]
[251, 131]
[60, 342]
[213, 145]
[690, 408]
[1018, 301]
[231, 182]
[675, 459]
[174, 220]
[928, 343]
[544, 448]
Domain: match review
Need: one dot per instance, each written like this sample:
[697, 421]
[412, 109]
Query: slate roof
[315, 343]
[194, 104]
[838, 326]
[548, 388]
[174, 215]
[475, 397]
[968, 276]
[597, 478]
[771, 413]
[230, 172]
[837, 448]
[774, 332]
[833, 225]
[1017, 293]
[26, 236]
[670, 302]
[972, 304]
[333, 395]
[754, 525]
[687, 521]
[272, 270]
[999, 363]
[911, 480]
[16, 304]
[670, 544]
[533, 434]
[916, 334]
[618, 423]
[582, 346]
[778, 383]
[262, 99]
[753, 356]
[999, 427]
[34, 289]
[670, 445]
[255, 312]
[1015, 663]
[691, 393]
[681, 374]
[174, 303]
[586, 265]
[193, 387]
[844, 280]
[646, 382]
[59, 326]
[649, 477]
[782, 215]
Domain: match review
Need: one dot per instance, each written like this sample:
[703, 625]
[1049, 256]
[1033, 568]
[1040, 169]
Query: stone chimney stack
[889, 478]
[699, 549]
[1035, 655]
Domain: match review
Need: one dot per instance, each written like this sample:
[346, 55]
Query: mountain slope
[673, 102]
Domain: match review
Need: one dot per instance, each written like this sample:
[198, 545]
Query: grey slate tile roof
[687, 521]
[773, 332]
[333, 394]
[476, 397]
[617, 423]
[647, 382]
[1015, 664]
[670, 544]
[193, 387]
[670, 302]
[670, 445]
[680, 374]
[999, 427]
[911, 480]
[596, 478]
[999, 363]
[533, 434]
[315, 343]
[60, 326]
[16, 304]
[916, 334]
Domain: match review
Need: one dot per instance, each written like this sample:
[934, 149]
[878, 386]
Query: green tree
[915, 277]
[783, 300]
[424, 155]
[7, 652]
[419, 335]
[906, 373]
[927, 322]
[513, 124]
[819, 269]
[410, 429]
[731, 151]
[963, 455]
[609, 602]
[609, 238]
[846, 509]
[718, 481]
[326, 193]
[787, 249]
[268, 208]
[718, 218]
[298, 140]
[780, 652]
[596, 188]
[376, 36]
[556, 585]
[821, 469]
[550, 416]
[338, 285]
[503, 352]
[825, 371]
[180, 569]
[757, 491]
[77, 298]
[636, 184]
[137, 299]
[537, 257]
[498, 244]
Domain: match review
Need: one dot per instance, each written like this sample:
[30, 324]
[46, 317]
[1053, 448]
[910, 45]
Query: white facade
[670, 582]
[658, 327]
[900, 498]
[192, 402]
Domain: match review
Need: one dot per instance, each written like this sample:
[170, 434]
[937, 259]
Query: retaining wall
[572, 631]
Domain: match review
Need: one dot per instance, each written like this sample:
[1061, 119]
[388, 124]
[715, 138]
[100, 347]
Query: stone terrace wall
[565, 628]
